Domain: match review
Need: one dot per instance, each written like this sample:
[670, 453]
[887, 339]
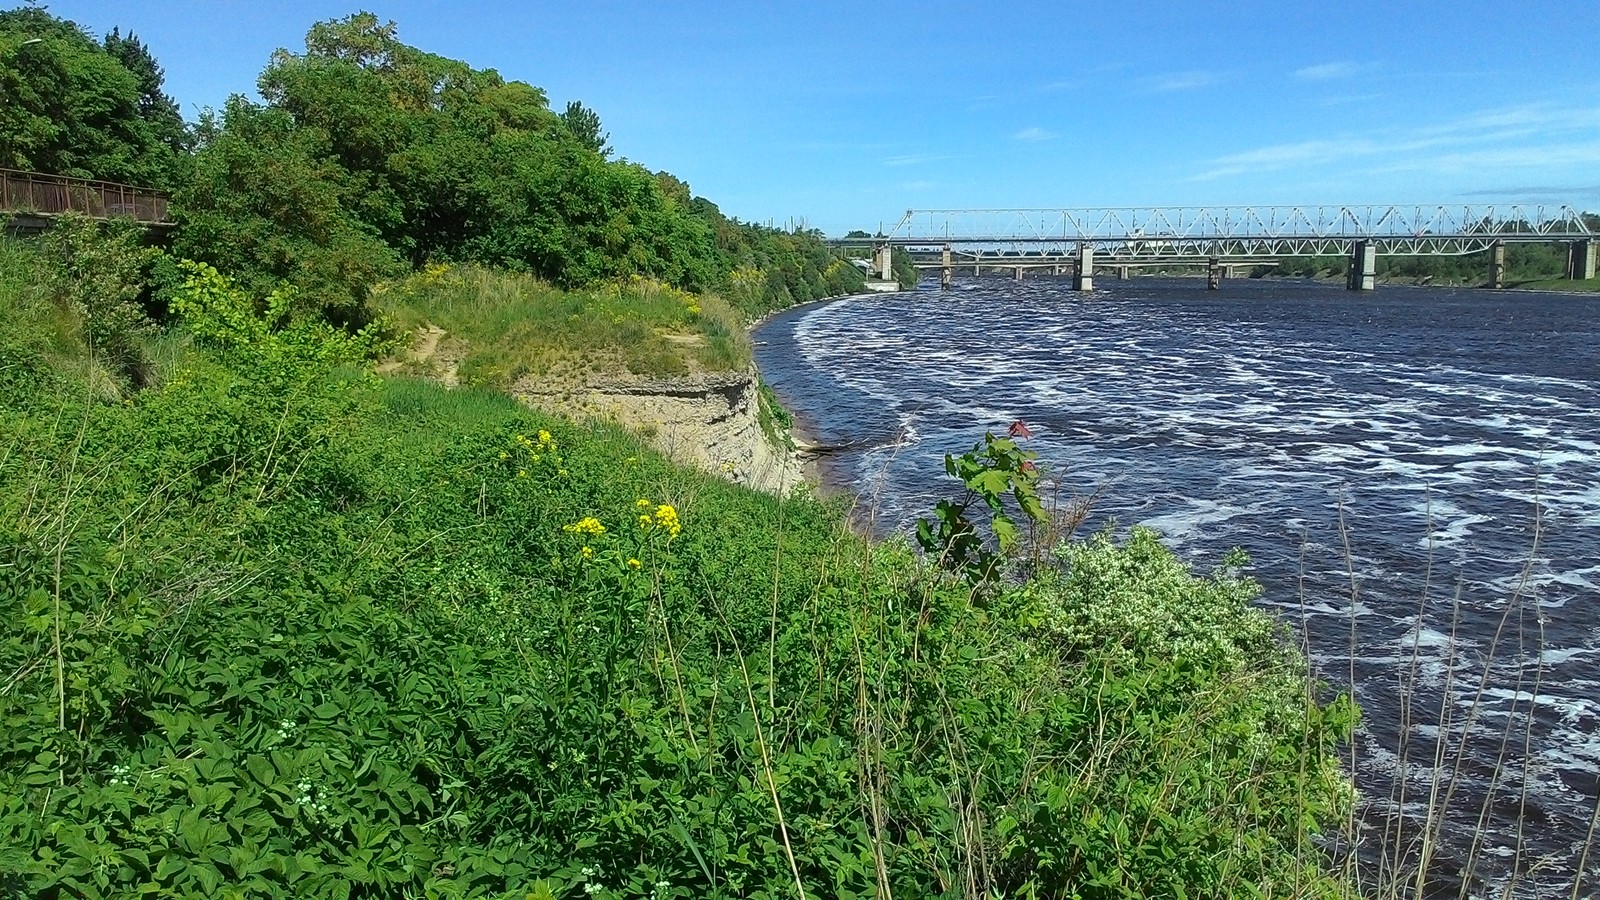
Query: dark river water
[1415, 473]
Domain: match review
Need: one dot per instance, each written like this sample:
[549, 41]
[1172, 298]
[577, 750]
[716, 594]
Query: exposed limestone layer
[710, 421]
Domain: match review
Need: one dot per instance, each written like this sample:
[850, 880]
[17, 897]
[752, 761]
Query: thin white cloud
[1517, 138]
[1541, 191]
[1345, 99]
[913, 159]
[1180, 81]
[1329, 71]
[1034, 133]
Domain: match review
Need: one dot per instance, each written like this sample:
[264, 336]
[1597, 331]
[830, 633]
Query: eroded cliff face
[711, 421]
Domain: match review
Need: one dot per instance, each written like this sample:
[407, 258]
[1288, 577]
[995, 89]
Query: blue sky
[846, 114]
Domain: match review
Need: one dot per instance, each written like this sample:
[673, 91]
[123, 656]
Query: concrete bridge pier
[1581, 260]
[1497, 265]
[946, 274]
[1363, 272]
[884, 266]
[1213, 274]
[1083, 279]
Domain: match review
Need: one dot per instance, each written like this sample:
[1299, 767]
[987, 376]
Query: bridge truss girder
[1189, 225]
[1110, 251]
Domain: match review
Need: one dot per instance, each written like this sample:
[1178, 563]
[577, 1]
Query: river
[1415, 473]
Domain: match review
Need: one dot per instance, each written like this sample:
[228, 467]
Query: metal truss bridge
[1222, 237]
[1204, 232]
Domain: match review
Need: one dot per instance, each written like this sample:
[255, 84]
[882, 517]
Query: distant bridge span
[1221, 237]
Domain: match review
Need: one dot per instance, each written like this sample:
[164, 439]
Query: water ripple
[1451, 437]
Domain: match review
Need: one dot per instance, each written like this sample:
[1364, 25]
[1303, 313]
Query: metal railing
[51, 195]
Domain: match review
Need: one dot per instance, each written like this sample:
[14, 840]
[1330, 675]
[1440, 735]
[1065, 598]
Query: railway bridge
[1222, 238]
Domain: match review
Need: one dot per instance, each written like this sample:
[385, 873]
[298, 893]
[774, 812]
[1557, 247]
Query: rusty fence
[49, 195]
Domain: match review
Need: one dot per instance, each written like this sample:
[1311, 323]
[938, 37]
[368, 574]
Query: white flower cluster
[309, 800]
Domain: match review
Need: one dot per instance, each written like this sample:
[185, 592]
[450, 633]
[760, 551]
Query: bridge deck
[38, 194]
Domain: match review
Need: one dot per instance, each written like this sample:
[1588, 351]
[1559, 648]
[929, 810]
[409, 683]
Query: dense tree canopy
[72, 106]
[366, 156]
[437, 161]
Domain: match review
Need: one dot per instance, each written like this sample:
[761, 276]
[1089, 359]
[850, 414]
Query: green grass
[514, 325]
[277, 628]
[1558, 284]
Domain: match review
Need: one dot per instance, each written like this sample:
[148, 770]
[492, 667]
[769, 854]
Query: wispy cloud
[1034, 133]
[1180, 81]
[1345, 99]
[1329, 71]
[913, 159]
[1537, 193]
[1520, 137]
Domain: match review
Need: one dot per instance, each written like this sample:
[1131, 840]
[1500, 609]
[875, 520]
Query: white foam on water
[1178, 524]
[1221, 433]
[1555, 657]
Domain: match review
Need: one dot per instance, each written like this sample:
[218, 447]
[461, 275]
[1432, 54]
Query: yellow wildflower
[522, 473]
[588, 552]
[642, 503]
[585, 525]
[645, 521]
[667, 518]
[545, 438]
[634, 564]
[504, 455]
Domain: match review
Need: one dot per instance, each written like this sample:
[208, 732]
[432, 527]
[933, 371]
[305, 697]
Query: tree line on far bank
[1524, 262]
[369, 158]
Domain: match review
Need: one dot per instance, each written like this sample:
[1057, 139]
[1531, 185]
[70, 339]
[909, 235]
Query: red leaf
[1019, 429]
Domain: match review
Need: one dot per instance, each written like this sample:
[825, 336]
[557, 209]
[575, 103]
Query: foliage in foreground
[281, 629]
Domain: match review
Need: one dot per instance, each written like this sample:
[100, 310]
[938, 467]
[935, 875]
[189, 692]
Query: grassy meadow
[510, 325]
[277, 627]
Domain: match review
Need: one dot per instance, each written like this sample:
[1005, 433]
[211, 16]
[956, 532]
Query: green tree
[583, 124]
[156, 107]
[268, 204]
[70, 107]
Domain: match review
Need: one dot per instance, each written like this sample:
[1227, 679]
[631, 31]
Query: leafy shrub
[99, 272]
